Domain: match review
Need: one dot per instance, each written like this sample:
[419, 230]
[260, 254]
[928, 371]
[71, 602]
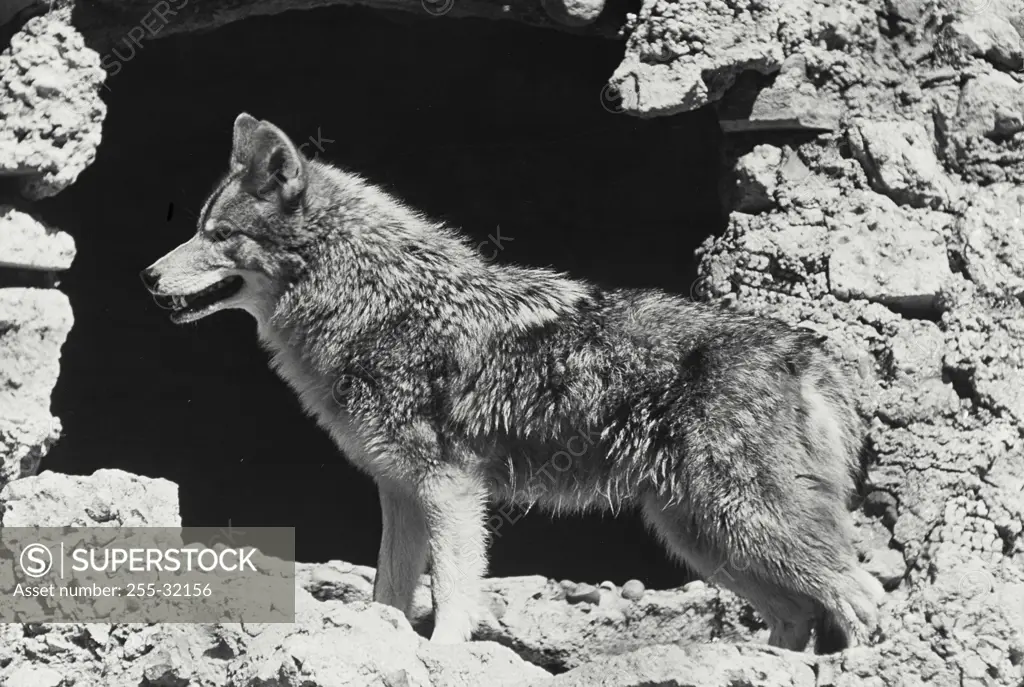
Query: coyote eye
[223, 230]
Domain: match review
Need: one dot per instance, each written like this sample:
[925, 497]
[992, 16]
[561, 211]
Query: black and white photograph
[511, 343]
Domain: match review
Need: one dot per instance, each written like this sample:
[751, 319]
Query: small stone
[573, 12]
[326, 574]
[327, 582]
[57, 644]
[34, 676]
[166, 668]
[607, 585]
[757, 179]
[584, 593]
[607, 597]
[134, 646]
[633, 590]
[98, 632]
[694, 586]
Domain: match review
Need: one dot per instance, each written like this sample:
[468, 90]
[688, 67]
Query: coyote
[454, 381]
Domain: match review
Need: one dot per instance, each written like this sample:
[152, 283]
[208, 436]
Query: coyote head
[252, 232]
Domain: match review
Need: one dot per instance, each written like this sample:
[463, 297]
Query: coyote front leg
[403, 547]
[454, 506]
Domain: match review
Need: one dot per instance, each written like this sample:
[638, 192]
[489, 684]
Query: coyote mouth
[195, 305]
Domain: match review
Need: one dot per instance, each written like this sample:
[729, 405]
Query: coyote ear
[275, 165]
[245, 125]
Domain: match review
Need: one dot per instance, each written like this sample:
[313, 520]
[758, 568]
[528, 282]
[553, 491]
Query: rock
[334, 581]
[584, 593]
[887, 565]
[98, 632]
[558, 634]
[337, 644]
[712, 665]
[899, 161]
[917, 398]
[917, 349]
[907, 10]
[573, 12]
[790, 103]
[534, 616]
[667, 69]
[26, 243]
[990, 105]
[33, 326]
[181, 655]
[989, 239]
[901, 244]
[34, 676]
[609, 599]
[988, 35]
[166, 668]
[49, 98]
[633, 590]
[330, 643]
[757, 178]
[890, 258]
[109, 498]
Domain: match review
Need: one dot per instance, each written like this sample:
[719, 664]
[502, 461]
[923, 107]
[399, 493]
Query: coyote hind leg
[797, 574]
[788, 614]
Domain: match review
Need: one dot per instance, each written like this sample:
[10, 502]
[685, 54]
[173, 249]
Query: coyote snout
[454, 381]
[191, 283]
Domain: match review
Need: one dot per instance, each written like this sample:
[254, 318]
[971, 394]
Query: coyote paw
[452, 630]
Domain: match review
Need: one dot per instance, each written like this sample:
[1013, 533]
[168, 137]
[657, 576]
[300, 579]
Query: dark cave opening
[481, 124]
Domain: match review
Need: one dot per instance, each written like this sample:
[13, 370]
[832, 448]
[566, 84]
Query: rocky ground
[586, 634]
[875, 161]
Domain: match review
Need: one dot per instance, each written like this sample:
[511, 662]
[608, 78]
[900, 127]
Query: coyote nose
[149, 278]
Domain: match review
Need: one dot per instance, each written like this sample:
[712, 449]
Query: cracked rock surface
[33, 326]
[49, 104]
[898, 235]
[28, 244]
[50, 116]
[560, 626]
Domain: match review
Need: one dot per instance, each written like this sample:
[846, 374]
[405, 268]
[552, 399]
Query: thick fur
[454, 381]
